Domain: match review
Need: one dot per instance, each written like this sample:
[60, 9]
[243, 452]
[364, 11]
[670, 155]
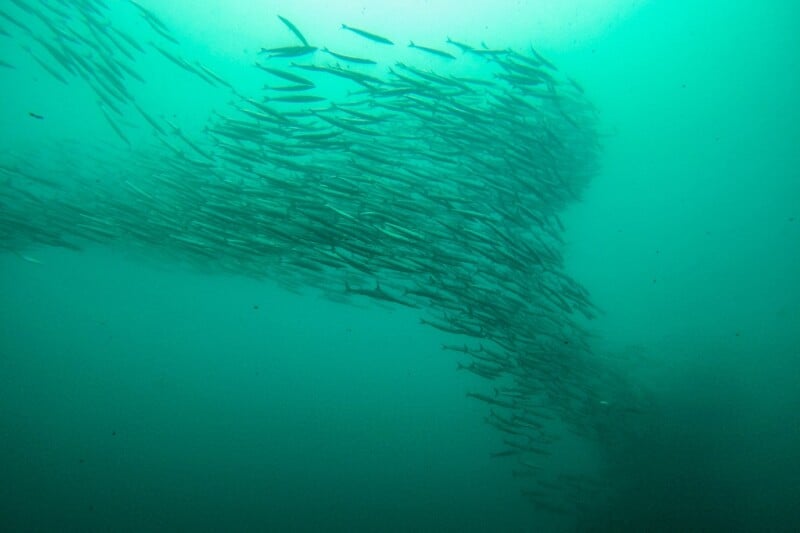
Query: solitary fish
[29, 259]
[294, 30]
[367, 35]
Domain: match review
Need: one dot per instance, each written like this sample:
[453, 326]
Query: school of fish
[433, 188]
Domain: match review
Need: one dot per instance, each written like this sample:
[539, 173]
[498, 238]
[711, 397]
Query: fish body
[351, 59]
[432, 51]
[294, 30]
[367, 35]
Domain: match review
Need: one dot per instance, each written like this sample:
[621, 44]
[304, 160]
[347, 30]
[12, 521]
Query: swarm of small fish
[430, 188]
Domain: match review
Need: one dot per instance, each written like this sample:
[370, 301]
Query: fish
[213, 75]
[288, 76]
[294, 30]
[367, 35]
[114, 126]
[289, 51]
[542, 60]
[461, 46]
[378, 294]
[155, 23]
[289, 88]
[433, 51]
[29, 259]
[357, 77]
[21, 25]
[295, 99]
[49, 69]
[436, 186]
[350, 59]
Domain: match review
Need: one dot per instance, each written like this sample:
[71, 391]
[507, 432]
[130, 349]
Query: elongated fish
[432, 51]
[350, 59]
[289, 51]
[114, 126]
[462, 46]
[15, 22]
[154, 22]
[288, 76]
[342, 73]
[296, 99]
[294, 30]
[367, 35]
[288, 88]
[29, 259]
[45, 66]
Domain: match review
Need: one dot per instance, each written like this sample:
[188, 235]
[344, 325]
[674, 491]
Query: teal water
[161, 374]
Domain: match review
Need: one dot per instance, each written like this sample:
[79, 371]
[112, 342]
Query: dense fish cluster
[436, 188]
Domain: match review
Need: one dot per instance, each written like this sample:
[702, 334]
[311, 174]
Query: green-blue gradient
[140, 394]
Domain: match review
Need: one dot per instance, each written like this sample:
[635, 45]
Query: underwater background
[165, 366]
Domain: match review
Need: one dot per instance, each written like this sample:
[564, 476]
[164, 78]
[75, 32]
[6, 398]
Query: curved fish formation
[437, 188]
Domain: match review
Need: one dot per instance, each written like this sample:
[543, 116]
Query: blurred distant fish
[367, 35]
[154, 22]
[542, 59]
[15, 22]
[50, 70]
[294, 30]
[114, 126]
[29, 259]
[213, 75]
[149, 119]
[576, 85]
[25, 7]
